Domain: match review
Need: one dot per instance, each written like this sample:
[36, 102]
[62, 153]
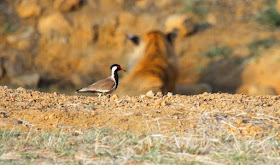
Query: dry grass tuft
[107, 146]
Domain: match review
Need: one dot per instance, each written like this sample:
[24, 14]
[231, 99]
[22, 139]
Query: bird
[105, 86]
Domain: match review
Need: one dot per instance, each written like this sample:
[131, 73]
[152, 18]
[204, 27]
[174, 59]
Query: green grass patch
[269, 16]
[219, 51]
[196, 7]
[258, 46]
[28, 155]
[270, 2]
[9, 28]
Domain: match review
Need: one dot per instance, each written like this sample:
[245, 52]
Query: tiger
[153, 65]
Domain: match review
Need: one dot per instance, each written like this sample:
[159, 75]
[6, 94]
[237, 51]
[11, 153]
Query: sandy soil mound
[205, 113]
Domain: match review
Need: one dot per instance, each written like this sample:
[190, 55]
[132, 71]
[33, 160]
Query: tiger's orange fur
[155, 66]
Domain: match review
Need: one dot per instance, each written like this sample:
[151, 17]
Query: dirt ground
[205, 113]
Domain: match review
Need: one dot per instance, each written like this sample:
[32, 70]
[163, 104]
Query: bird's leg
[99, 95]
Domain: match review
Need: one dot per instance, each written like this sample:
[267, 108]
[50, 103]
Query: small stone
[265, 105]
[143, 97]
[242, 107]
[205, 94]
[150, 93]
[138, 114]
[30, 100]
[163, 103]
[169, 94]
[157, 102]
[159, 94]
[118, 101]
[114, 96]
[192, 125]
[203, 105]
[4, 87]
[77, 133]
[20, 89]
[238, 122]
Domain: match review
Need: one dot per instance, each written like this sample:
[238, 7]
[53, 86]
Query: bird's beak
[122, 69]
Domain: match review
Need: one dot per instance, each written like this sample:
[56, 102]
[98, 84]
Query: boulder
[28, 8]
[66, 5]
[262, 73]
[55, 22]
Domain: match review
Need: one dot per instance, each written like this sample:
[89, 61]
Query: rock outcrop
[72, 42]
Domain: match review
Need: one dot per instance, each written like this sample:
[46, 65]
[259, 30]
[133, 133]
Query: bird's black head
[116, 67]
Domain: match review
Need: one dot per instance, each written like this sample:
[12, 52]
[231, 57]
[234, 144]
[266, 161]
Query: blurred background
[61, 45]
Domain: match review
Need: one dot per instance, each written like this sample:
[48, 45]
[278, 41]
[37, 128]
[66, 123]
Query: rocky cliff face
[64, 44]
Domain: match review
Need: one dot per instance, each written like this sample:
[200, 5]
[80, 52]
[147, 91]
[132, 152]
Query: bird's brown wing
[100, 86]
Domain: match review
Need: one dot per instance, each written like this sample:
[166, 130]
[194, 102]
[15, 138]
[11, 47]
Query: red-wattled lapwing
[104, 86]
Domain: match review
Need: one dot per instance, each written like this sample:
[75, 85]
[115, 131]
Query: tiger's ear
[172, 35]
[133, 38]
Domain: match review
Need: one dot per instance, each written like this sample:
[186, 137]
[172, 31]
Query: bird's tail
[84, 90]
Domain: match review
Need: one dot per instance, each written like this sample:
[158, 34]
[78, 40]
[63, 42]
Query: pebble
[163, 103]
[3, 87]
[20, 89]
[169, 94]
[150, 93]
[159, 94]
[114, 96]
[265, 105]
[143, 97]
